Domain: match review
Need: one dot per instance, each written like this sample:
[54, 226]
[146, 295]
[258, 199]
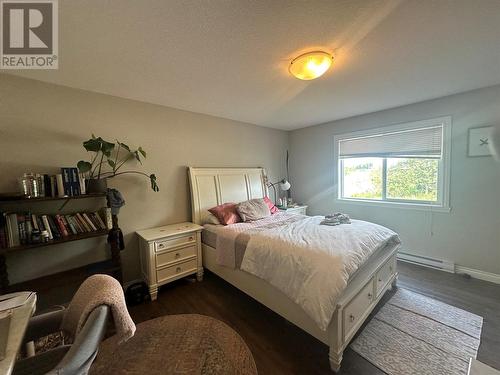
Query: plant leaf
[107, 147]
[111, 163]
[84, 166]
[124, 146]
[143, 153]
[136, 153]
[154, 184]
[92, 144]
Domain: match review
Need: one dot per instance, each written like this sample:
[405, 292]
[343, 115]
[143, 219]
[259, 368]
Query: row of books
[26, 228]
[67, 183]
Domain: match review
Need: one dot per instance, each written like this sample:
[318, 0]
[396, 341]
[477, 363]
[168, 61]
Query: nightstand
[169, 253]
[295, 210]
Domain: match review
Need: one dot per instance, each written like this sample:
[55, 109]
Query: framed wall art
[479, 141]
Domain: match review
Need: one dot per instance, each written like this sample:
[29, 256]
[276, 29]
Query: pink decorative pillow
[271, 205]
[226, 213]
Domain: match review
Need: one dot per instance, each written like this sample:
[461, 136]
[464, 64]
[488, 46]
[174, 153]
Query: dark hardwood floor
[277, 345]
[281, 348]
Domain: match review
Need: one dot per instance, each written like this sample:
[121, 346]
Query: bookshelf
[65, 199]
[111, 266]
[21, 198]
[75, 237]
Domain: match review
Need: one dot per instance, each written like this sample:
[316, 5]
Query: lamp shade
[310, 65]
[285, 185]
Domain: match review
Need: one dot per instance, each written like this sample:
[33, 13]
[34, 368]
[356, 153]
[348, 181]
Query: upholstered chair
[64, 359]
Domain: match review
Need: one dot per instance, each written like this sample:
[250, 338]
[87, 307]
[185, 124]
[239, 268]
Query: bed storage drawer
[384, 275]
[175, 255]
[180, 269]
[355, 311]
[162, 245]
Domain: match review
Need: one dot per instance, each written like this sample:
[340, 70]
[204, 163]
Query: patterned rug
[188, 344]
[414, 334]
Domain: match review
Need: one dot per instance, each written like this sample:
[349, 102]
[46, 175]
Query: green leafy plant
[108, 158]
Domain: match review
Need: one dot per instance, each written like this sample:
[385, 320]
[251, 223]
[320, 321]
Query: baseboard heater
[443, 265]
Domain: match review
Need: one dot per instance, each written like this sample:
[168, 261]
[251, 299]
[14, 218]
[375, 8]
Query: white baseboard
[448, 266]
[438, 264]
[478, 274]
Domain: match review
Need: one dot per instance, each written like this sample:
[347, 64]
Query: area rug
[188, 344]
[414, 334]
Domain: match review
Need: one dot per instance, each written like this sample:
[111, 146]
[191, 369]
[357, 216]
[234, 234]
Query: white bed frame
[214, 186]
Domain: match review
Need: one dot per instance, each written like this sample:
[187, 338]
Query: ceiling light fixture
[310, 65]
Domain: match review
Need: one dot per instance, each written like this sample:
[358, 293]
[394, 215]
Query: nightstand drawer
[183, 268]
[170, 256]
[162, 245]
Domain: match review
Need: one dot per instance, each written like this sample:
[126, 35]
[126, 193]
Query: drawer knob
[161, 245]
[370, 296]
[177, 255]
[351, 318]
[178, 269]
[379, 280]
[191, 238]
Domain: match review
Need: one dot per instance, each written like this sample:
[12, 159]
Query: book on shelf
[71, 226]
[47, 186]
[16, 229]
[54, 230]
[66, 177]
[83, 222]
[73, 220]
[60, 185]
[3, 235]
[73, 183]
[89, 222]
[47, 226]
[13, 230]
[62, 227]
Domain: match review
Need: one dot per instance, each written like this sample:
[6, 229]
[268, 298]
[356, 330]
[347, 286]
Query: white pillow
[253, 209]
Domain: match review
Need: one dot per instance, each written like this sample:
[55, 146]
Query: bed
[364, 287]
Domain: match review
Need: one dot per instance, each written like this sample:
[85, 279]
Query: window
[405, 164]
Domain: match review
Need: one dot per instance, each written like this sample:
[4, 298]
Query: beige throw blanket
[98, 290]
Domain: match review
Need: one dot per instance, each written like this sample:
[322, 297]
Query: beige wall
[42, 127]
[470, 234]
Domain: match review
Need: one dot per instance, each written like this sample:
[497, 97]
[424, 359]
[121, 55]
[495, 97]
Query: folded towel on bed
[95, 291]
[336, 219]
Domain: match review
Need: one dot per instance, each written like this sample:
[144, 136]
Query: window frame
[443, 202]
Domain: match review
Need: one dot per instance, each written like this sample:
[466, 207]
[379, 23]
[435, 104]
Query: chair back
[84, 349]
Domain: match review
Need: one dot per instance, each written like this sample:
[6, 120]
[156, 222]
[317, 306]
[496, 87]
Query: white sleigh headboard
[213, 186]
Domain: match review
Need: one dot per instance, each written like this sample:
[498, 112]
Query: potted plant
[107, 161]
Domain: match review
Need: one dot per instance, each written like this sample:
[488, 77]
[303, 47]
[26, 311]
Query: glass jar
[45, 236]
[36, 236]
[25, 185]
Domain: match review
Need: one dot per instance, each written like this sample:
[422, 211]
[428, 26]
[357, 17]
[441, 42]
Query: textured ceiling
[230, 58]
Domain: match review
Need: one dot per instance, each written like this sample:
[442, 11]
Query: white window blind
[413, 143]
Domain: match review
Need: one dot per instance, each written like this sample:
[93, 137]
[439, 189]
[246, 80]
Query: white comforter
[312, 263]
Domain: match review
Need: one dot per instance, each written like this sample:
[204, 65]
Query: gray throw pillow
[253, 209]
